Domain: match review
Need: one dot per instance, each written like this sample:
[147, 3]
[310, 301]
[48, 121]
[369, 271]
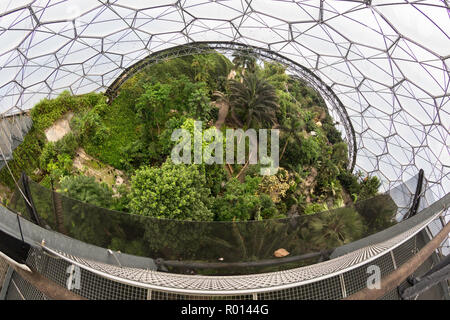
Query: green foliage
[378, 214]
[309, 120]
[48, 154]
[171, 191]
[62, 167]
[152, 108]
[241, 202]
[275, 74]
[215, 178]
[335, 228]
[276, 186]
[255, 100]
[121, 125]
[46, 112]
[165, 142]
[86, 189]
[305, 95]
[210, 68]
[25, 159]
[199, 104]
[340, 154]
[135, 131]
[268, 208]
[309, 151]
[333, 135]
[314, 208]
[349, 182]
[245, 60]
[369, 187]
[66, 146]
[88, 126]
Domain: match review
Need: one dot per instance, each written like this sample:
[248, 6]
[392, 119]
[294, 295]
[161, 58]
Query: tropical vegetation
[130, 136]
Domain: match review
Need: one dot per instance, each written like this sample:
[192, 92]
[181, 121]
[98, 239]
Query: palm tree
[202, 65]
[335, 228]
[255, 98]
[245, 60]
[223, 101]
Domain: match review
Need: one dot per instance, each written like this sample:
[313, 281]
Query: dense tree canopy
[171, 191]
[133, 135]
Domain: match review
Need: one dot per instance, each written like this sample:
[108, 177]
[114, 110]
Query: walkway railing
[111, 276]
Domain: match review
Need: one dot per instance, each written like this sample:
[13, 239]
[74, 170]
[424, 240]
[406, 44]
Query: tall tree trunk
[284, 148]
[223, 113]
[235, 119]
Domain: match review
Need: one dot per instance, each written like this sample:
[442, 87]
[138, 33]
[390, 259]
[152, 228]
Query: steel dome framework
[383, 64]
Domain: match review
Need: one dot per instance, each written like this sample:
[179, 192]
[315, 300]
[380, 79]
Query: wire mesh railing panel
[82, 282]
[357, 279]
[332, 279]
[3, 270]
[328, 289]
[160, 295]
[20, 289]
[246, 243]
[405, 251]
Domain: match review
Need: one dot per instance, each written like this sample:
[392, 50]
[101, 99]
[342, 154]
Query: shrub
[171, 191]
[314, 208]
[268, 208]
[349, 182]
[68, 145]
[309, 151]
[25, 159]
[48, 154]
[241, 202]
[277, 185]
[46, 112]
[369, 187]
[88, 126]
[86, 189]
[340, 154]
[199, 104]
[335, 228]
[378, 213]
[61, 167]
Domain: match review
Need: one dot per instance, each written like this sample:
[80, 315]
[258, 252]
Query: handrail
[246, 284]
[254, 283]
[394, 279]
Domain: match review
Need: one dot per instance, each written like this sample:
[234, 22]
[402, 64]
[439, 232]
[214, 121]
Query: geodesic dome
[381, 65]
[388, 61]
